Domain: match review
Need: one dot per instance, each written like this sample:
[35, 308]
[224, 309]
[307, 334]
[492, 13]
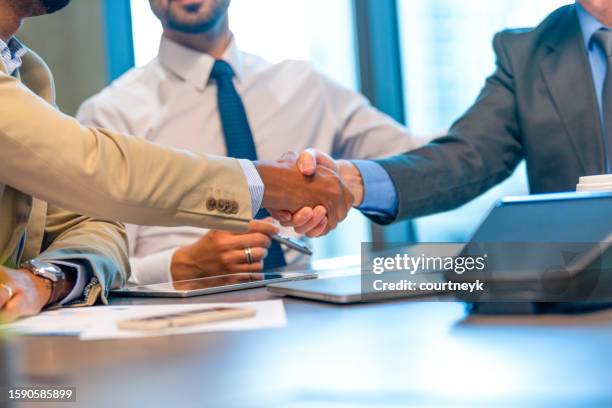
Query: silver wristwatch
[52, 273]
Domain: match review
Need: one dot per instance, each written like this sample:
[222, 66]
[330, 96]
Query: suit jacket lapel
[569, 78]
[35, 74]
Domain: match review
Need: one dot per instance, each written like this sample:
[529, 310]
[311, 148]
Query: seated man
[549, 102]
[49, 256]
[203, 94]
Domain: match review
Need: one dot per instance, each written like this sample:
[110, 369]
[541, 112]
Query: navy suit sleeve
[481, 149]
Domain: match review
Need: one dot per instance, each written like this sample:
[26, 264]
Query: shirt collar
[194, 66]
[16, 51]
[588, 24]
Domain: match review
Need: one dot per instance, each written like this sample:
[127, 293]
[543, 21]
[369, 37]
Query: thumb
[307, 162]
[310, 158]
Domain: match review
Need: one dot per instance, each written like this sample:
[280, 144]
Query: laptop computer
[346, 289]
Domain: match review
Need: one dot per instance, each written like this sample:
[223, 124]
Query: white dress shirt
[290, 107]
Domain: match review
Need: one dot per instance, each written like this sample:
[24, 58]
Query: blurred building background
[443, 50]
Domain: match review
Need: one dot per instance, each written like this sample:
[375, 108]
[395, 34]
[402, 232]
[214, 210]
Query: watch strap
[57, 289]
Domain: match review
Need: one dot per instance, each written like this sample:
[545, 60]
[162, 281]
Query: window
[447, 54]
[320, 31]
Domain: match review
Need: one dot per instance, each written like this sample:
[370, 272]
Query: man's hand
[308, 219]
[288, 189]
[30, 294]
[220, 253]
[311, 159]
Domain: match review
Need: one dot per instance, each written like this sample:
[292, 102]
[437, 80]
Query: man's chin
[192, 25]
[199, 28]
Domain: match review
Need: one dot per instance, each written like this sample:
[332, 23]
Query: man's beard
[51, 6]
[195, 27]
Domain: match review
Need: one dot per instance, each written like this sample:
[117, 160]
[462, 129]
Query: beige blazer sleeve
[100, 246]
[105, 175]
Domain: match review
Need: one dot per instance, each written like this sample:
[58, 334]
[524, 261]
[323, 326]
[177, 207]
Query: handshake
[311, 192]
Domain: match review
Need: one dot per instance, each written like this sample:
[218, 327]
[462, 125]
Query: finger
[4, 293]
[309, 159]
[4, 297]
[307, 162]
[332, 221]
[319, 213]
[282, 216]
[302, 217]
[11, 310]
[319, 230]
[263, 226]
[238, 256]
[332, 214]
[245, 268]
[251, 240]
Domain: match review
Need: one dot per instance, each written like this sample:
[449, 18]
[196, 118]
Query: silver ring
[8, 289]
[248, 252]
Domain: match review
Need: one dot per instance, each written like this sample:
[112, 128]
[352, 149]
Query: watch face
[45, 270]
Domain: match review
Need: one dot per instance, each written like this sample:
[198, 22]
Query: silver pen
[292, 243]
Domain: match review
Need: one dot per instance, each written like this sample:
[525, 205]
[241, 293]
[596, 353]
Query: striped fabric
[256, 185]
[11, 54]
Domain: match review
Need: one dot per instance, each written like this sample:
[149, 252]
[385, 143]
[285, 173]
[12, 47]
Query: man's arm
[92, 254]
[99, 248]
[482, 148]
[110, 176]
[214, 253]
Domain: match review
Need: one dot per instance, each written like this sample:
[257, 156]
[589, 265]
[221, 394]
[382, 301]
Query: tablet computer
[524, 239]
[212, 284]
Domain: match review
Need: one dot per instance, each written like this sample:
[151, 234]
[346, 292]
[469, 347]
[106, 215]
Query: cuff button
[211, 204]
[234, 209]
[221, 205]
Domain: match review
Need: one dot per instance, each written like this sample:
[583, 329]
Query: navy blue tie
[239, 138]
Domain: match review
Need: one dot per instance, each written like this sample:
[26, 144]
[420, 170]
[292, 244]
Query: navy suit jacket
[539, 105]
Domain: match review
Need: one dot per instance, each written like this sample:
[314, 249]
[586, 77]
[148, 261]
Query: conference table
[409, 352]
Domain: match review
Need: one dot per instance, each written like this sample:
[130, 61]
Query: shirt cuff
[152, 269]
[256, 185]
[79, 286]
[380, 196]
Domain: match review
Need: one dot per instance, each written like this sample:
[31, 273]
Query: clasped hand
[312, 192]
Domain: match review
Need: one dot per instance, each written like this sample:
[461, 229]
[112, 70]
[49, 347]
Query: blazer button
[221, 205]
[211, 204]
[234, 207]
